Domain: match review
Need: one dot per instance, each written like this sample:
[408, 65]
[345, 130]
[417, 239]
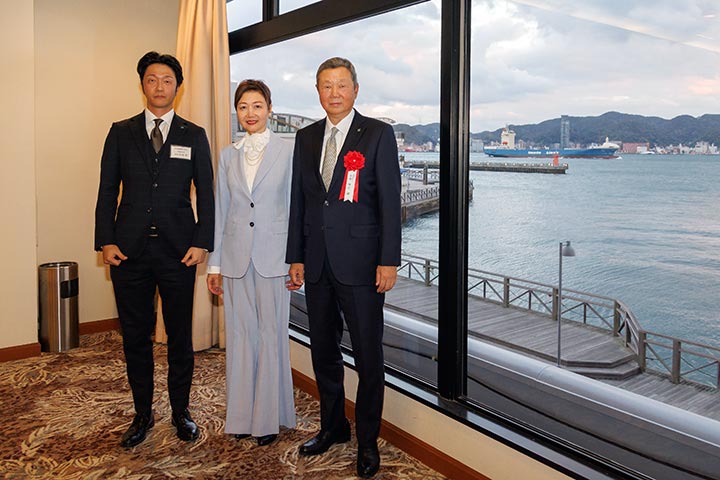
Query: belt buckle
[153, 231]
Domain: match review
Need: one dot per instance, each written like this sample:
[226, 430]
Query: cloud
[530, 60]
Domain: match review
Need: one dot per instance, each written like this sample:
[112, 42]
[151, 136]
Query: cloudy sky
[532, 60]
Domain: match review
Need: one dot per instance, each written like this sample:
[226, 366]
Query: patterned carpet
[63, 415]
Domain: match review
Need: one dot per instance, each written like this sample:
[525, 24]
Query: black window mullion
[271, 9]
[311, 18]
[454, 162]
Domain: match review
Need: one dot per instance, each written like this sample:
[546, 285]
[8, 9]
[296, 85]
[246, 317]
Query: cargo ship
[507, 149]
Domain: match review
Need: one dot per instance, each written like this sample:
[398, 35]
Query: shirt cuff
[213, 269]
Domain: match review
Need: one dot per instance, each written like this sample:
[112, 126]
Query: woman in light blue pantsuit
[252, 201]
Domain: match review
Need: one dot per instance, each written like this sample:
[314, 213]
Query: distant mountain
[617, 126]
[419, 134]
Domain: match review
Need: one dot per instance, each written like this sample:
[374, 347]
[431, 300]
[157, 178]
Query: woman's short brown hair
[250, 86]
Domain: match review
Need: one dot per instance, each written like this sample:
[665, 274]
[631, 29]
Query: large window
[592, 123]
[289, 5]
[524, 125]
[560, 79]
[397, 57]
[241, 13]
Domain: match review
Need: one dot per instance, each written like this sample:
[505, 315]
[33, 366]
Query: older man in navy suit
[151, 238]
[344, 244]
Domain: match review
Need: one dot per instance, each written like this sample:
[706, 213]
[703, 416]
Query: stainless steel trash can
[58, 306]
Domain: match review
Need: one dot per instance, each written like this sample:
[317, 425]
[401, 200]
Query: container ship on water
[507, 149]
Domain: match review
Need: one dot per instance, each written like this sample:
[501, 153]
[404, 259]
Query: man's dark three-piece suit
[154, 225]
[341, 244]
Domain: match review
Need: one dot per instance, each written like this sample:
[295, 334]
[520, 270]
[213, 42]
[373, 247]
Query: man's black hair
[154, 57]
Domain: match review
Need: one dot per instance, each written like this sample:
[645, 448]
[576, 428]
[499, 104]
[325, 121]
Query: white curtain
[204, 99]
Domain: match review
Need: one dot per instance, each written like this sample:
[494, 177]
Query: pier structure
[601, 337]
[421, 193]
[419, 199]
[514, 167]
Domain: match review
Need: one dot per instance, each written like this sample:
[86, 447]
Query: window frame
[450, 397]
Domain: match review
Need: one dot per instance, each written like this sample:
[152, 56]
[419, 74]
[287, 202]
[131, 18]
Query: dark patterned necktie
[156, 135]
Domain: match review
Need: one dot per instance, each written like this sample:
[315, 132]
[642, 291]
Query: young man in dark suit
[344, 244]
[151, 239]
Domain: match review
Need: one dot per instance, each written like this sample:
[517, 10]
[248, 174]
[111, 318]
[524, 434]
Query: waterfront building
[476, 145]
[564, 131]
[634, 147]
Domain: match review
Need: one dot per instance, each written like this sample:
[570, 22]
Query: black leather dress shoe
[266, 439]
[137, 431]
[368, 461]
[324, 440]
[241, 436]
[186, 428]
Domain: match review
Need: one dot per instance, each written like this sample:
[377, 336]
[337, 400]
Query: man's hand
[112, 255]
[297, 276]
[214, 283]
[194, 256]
[385, 278]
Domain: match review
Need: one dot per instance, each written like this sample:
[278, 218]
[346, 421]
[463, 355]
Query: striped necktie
[330, 159]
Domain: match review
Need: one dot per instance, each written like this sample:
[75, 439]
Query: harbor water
[645, 228]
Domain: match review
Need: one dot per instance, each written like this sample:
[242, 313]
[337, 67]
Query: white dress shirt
[164, 125]
[343, 128]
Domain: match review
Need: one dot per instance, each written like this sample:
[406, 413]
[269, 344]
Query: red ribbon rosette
[353, 162]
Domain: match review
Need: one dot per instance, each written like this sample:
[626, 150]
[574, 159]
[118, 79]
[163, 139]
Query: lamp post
[565, 250]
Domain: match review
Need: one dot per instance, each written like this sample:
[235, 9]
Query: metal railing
[428, 193]
[419, 268]
[433, 176]
[680, 360]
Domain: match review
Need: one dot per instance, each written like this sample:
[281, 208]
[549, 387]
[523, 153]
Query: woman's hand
[214, 283]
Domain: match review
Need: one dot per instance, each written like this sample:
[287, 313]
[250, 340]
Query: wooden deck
[585, 350]
[703, 401]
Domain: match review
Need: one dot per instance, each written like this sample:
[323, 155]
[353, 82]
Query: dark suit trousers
[135, 282]
[362, 308]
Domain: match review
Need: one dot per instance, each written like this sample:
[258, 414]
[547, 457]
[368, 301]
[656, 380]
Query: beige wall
[68, 72]
[86, 52]
[18, 281]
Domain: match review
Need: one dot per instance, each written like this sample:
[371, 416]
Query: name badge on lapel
[180, 152]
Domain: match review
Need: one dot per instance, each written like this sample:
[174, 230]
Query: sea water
[645, 229]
